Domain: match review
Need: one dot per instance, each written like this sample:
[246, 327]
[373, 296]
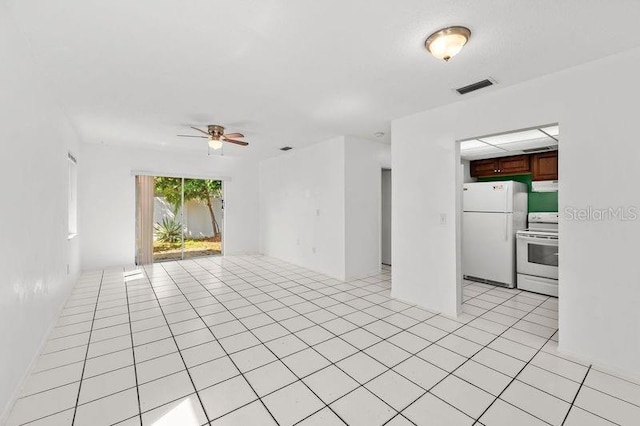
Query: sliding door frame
[223, 180]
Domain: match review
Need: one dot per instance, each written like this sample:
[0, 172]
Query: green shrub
[169, 231]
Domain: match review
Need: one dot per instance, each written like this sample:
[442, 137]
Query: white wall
[364, 161]
[385, 249]
[425, 170]
[107, 198]
[34, 249]
[595, 105]
[466, 171]
[302, 207]
[320, 206]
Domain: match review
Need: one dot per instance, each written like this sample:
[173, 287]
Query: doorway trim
[179, 175]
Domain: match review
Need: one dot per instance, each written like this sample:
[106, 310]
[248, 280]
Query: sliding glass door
[177, 218]
[202, 217]
[168, 221]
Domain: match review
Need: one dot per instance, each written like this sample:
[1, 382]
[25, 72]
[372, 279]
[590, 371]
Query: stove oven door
[537, 254]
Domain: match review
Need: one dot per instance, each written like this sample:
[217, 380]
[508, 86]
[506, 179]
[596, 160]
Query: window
[73, 196]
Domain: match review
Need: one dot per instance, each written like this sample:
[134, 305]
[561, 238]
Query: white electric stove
[537, 254]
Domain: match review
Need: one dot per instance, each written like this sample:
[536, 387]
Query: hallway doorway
[385, 232]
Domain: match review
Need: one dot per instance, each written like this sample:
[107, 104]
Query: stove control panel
[543, 217]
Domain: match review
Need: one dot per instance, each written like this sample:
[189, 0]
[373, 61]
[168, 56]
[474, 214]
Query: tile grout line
[541, 301]
[336, 335]
[383, 339]
[176, 343]
[610, 395]
[451, 373]
[133, 351]
[84, 365]
[250, 278]
[268, 348]
[533, 308]
[253, 334]
[477, 420]
[397, 412]
[575, 396]
[227, 354]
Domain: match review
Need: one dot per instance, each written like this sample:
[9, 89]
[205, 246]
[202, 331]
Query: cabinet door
[545, 166]
[515, 164]
[480, 168]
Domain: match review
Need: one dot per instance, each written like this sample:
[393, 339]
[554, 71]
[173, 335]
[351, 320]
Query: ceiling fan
[216, 136]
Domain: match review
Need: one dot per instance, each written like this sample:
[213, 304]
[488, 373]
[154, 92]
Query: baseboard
[604, 367]
[377, 271]
[430, 309]
[6, 411]
[242, 253]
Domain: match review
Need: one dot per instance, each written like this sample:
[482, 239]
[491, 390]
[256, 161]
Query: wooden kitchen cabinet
[545, 166]
[484, 167]
[514, 165]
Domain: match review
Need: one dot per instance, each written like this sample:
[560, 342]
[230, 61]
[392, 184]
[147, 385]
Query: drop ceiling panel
[551, 130]
[521, 145]
[513, 143]
[486, 152]
[472, 144]
[514, 137]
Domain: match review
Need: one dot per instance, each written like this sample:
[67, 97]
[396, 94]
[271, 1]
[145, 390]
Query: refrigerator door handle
[506, 227]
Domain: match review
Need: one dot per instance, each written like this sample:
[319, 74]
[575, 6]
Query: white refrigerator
[492, 213]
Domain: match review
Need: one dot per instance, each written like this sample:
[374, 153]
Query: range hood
[544, 186]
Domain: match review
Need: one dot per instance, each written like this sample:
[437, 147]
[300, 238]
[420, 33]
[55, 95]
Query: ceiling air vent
[286, 148]
[475, 86]
[541, 149]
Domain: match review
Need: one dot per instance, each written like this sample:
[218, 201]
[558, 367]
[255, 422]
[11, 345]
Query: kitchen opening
[178, 218]
[509, 228]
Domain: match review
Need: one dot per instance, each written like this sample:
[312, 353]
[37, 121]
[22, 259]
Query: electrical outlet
[443, 218]
[317, 212]
[313, 250]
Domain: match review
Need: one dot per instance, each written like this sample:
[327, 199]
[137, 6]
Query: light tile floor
[252, 340]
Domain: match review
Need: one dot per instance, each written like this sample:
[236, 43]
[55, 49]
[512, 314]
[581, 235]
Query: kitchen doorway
[509, 193]
[508, 230]
[178, 218]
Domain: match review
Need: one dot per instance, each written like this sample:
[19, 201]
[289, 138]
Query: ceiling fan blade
[200, 130]
[236, 142]
[233, 135]
[192, 136]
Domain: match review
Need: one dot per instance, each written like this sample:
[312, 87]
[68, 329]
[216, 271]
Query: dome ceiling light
[447, 42]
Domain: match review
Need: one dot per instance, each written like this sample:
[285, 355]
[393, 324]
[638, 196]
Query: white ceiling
[294, 72]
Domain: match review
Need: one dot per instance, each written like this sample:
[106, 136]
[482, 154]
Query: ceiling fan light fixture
[446, 43]
[215, 143]
[216, 136]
